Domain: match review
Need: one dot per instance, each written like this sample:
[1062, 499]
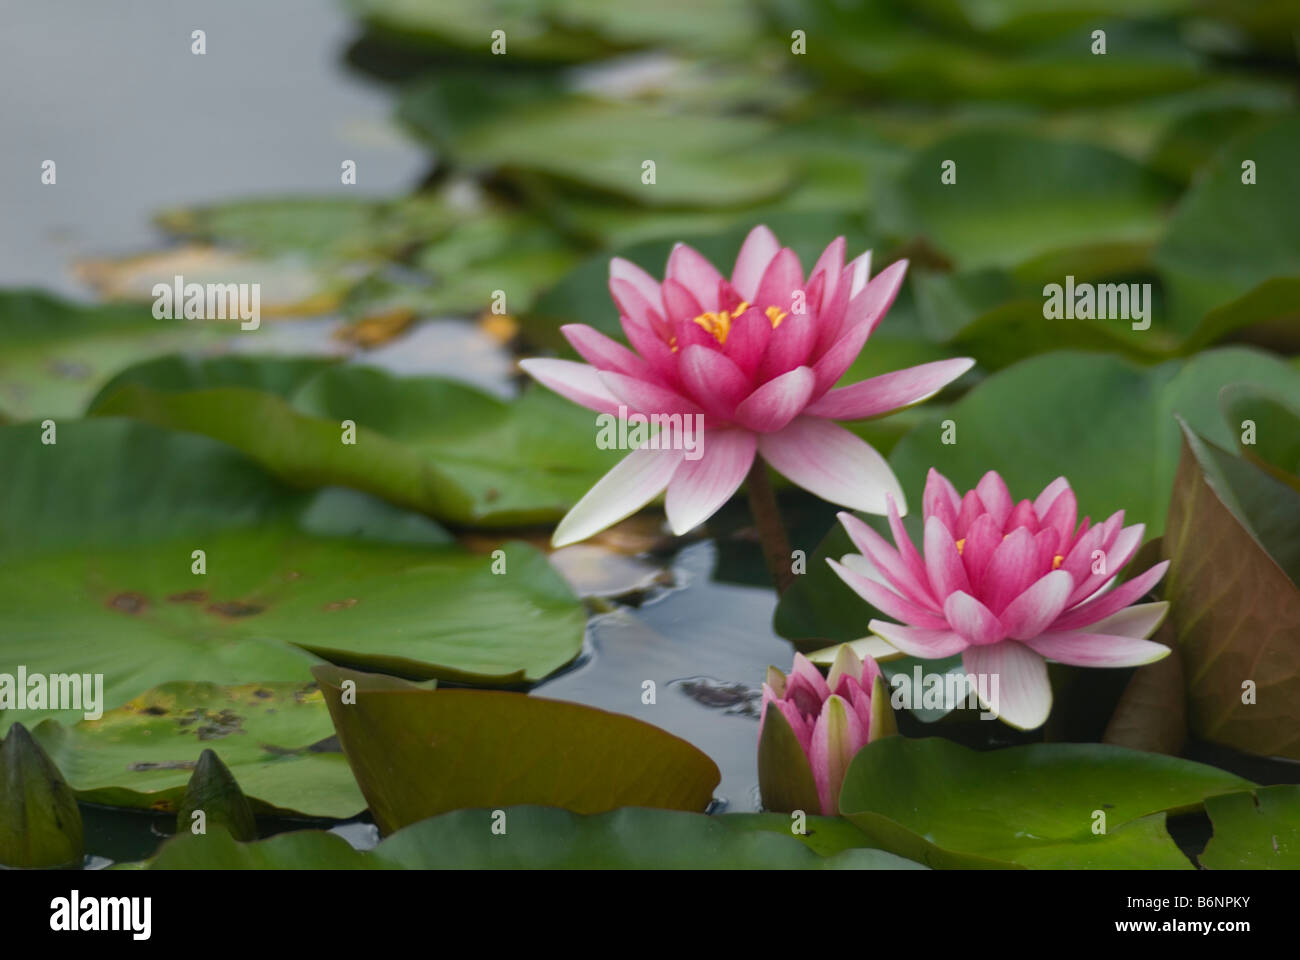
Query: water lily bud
[214, 792]
[40, 823]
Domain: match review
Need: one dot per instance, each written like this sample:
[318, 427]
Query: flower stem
[771, 531]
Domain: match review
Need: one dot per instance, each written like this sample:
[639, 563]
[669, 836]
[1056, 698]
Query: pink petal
[1061, 515]
[907, 578]
[942, 562]
[994, 495]
[682, 304]
[1033, 611]
[713, 380]
[889, 391]
[574, 381]
[983, 537]
[1012, 568]
[636, 480]
[1138, 621]
[756, 253]
[700, 487]
[602, 352]
[645, 286]
[831, 263]
[910, 556]
[1023, 516]
[802, 729]
[972, 619]
[972, 507]
[825, 459]
[887, 601]
[805, 668]
[647, 398]
[862, 315]
[654, 350]
[1106, 604]
[1043, 502]
[638, 311]
[773, 405]
[789, 347]
[837, 735]
[1116, 556]
[1081, 649]
[835, 305]
[781, 279]
[940, 499]
[747, 342]
[692, 270]
[1023, 696]
[919, 641]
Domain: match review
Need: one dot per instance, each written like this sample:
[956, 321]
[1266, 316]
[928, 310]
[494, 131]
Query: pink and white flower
[1008, 586]
[757, 356]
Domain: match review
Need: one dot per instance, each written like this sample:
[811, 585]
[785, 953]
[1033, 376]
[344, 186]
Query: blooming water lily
[1008, 586]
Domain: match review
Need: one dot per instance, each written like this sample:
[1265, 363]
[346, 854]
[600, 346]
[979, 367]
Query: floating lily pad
[1267, 428]
[418, 752]
[1255, 831]
[143, 753]
[1228, 237]
[58, 354]
[1016, 197]
[700, 159]
[1234, 591]
[97, 541]
[433, 445]
[536, 838]
[1033, 806]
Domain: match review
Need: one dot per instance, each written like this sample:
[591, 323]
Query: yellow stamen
[719, 324]
[1057, 561]
[961, 545]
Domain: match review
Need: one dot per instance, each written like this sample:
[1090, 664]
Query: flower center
[1056, 560]
[719, 324]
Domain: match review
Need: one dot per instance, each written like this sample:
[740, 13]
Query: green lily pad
[97, 541]
[701, 159]
[1106, 425]
[1268, 429]
[417, 752]
[143, 753]
[1234, 591]
[429, 444]
[58, 354]
[1228, 237]
[1018, 196]
[1255, 831]
[535, 838]
[939, 803]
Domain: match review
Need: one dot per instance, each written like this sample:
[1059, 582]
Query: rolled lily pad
[58, 354]
[418, 752]
[1255, 831]
[98, 534]
[143, 753]
[539, 838]
[941, 804]
[40, 823]
[434, 445]
[1234, 592]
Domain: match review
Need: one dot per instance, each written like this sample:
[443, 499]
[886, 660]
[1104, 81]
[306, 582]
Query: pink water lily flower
[831, 716]
[756, 357]
[1008, 585]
